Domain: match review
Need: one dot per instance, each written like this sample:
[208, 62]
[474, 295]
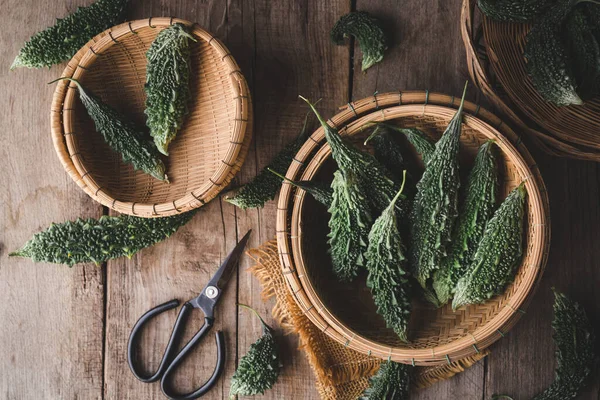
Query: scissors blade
[211, 293]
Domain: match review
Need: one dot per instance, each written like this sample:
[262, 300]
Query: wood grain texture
[52, 320]
[64, 331]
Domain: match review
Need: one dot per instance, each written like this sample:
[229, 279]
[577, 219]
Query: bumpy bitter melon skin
[387, 277]
[575, 350]
[390, 382]
[387, 151]
[498, 253]
[423, 145]
[265, 185]
[258, 370]
[99, 240]
[61, 41]
[584, 51]
[367, 30]
[375, 179]
[478, 207]
[514, 10]
[167, 84]
[349, 223]
[435, 206]
[122, 135]
[548, 62]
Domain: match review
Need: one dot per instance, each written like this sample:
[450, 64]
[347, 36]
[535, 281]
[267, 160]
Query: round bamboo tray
[209, 149]
[346, 312]
[496, 64]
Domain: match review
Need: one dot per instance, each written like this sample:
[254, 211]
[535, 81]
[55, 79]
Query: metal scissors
[206, 301]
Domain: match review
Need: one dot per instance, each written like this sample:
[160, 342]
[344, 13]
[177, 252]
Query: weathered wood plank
[293, 55]
[52, 316]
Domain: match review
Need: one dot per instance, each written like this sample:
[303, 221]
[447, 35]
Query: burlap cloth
[341, 373]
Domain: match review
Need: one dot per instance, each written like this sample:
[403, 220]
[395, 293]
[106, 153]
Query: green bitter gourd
[319, 190]
[367, 30]
[423, 145]
[387, 151]
[435, 206]
[575, 351]
[258, 370]
[387, 277]
[584, 52]
[349, 223]
[122, 135]
[61, 41]
[548, 62]
[375, 178]
[478, 207]
[99, 240]
[514, 10]
[390, 382]
[497, 255]
[265, 185]
[167, 84]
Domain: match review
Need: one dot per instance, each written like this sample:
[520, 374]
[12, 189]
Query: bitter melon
[584, 53]
[319, 190]
[435, 206]
[390, 382]
[478, 207]
[259, 368]
[122, 135]
[60, 42]
[548, 61]
[167, 84]
[349, 224]
[498, 253]
[265, 185]
[367, 30]
[423, 145]
[387, 277]
[575, 351]
[387, 151]
[375, 179]
[514, 10]
[99, 240]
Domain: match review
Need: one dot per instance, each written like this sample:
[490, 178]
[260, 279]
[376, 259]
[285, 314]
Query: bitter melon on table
[349, 224]
[548, 62]
[435, 206]
[167, 84]
[498, 253]
[387, 151]
[265, 185]
[477, 209]
[390, 382]
[367, 30]
[99, 240]
[61, 41]
[387, 275]
[122, 135]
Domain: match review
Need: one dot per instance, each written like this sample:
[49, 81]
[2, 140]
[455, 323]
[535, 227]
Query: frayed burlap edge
[341, 373]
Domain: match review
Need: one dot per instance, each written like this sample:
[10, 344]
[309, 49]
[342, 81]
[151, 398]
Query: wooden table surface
[63, 332]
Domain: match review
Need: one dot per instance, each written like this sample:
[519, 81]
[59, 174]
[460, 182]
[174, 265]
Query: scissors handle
[170, 361]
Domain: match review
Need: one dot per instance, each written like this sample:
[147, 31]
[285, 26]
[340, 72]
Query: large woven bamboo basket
[346, 312]
[209, 149]
[496, 64]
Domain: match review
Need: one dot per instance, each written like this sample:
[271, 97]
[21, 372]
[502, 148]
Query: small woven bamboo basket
[346, 312]
[496, 64]
[209, 149]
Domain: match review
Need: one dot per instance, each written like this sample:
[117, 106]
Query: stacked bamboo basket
[209, 149]
[346, 312]
[497, 66]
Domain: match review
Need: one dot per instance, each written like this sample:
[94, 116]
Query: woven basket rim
[546, 141]
[66, 148]
[288, 240]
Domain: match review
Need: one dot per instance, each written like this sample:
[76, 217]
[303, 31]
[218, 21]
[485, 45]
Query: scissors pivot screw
[211, 292]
